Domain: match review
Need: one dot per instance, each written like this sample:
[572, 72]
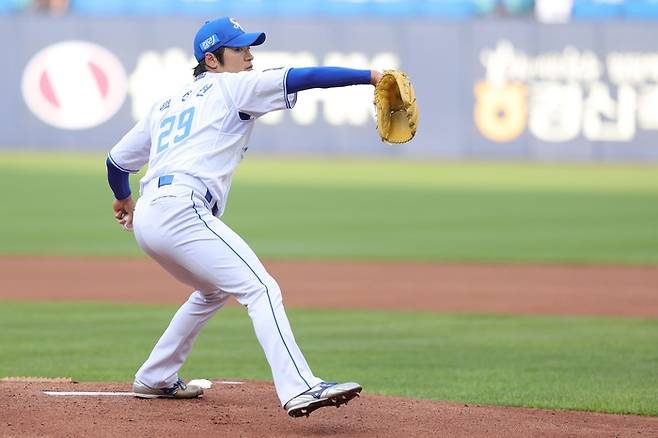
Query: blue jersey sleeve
[118, 179]
[299, 79]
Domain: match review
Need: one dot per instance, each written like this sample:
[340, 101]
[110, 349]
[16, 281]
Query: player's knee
[207, 297]
[215, 297]
[273, 291]
[266, 287]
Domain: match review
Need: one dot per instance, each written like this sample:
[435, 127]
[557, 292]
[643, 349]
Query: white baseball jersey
[203, 129]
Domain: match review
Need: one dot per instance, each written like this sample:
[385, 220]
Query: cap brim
[247, 39]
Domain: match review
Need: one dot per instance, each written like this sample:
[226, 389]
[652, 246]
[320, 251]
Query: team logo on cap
[236, 25]
[74, 85]
[209, 42]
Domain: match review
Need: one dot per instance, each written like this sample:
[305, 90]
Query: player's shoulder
[206, 76]
[257, 73]
[254, 76]
[194, 84]
[198, 87]
[275, 69]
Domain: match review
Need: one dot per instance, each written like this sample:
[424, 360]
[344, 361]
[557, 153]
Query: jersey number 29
[183, 124]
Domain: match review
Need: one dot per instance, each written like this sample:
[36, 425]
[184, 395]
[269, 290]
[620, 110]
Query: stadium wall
[487, 89]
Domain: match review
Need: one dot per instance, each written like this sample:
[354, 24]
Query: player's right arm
[128, 156]
[306, 78]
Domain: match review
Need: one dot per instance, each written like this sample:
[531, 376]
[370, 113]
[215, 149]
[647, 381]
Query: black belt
[166, 180]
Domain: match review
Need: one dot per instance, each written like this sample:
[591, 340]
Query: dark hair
[202, 67]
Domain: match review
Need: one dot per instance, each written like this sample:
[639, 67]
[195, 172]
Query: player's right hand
[123, 212]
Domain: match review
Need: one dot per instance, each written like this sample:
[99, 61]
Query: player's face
[237, 59]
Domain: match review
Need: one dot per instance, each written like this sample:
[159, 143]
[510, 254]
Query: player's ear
[210, 60]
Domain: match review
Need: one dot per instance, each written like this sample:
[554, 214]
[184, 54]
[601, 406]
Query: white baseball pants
[174, 225]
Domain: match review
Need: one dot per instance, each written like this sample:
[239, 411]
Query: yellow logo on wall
[501, 111]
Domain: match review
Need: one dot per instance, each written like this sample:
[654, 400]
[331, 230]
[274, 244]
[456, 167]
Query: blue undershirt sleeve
[118, 180]
[305, 78]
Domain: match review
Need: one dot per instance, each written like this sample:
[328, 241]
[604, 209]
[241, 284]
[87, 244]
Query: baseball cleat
[322, 394]
[177, 390]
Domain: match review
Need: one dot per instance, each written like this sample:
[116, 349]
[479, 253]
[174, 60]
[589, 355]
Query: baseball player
[193, 141]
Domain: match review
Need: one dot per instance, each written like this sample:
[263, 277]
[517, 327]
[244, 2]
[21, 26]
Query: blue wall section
[487, 89]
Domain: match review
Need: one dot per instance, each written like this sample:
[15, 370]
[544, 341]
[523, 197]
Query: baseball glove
[395, 102]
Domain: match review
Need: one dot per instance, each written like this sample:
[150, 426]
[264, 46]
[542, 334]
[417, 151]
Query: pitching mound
[252, 409]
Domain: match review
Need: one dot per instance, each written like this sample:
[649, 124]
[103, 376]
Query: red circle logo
[74, 85]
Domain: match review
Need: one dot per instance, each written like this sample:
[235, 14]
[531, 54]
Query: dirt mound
[252, 409]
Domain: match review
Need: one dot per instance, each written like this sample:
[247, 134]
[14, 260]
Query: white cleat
[322, 394]
[177, 390]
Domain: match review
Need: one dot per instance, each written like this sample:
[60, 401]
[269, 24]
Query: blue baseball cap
[223, 32]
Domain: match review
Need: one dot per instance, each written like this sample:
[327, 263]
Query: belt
[166, 180]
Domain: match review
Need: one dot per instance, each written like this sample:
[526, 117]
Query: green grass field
[59, 204]
[597, 364]
[401, 210]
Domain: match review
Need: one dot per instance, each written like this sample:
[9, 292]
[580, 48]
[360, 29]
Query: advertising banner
[486, 89]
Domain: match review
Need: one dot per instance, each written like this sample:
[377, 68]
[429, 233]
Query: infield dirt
[630, 291]
[253, 410]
